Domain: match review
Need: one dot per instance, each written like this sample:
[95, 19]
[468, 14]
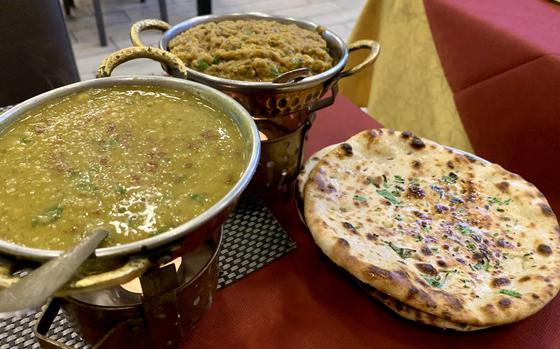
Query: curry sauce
[137, 160]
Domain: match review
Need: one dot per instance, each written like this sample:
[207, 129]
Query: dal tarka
[138, 160]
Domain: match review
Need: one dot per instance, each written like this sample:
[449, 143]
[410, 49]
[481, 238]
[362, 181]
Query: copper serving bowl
[269, 99]
[172, 300]
[118, 264]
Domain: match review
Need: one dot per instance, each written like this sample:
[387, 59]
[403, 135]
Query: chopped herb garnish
[396, 193]
[398, 217]
[403, 252]
[198, 197]
[121, 190]
[417, 238]
[433, 281]
[25, 140]
[388, 196]
[495, 200]
[274, 71]
[83, 181]
[51, 215]
[464, 228]
[471, 246]
[435, 249]
[500, 210]
[450, 179]
[360, 198]
[201, 65]
[216, 60]
[482, 266]
[399, 179]
[111, 142]
[296, 62]
[511, 293]
[425, 228]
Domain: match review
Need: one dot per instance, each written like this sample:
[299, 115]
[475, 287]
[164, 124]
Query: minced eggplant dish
[136, 160]
[251, 50]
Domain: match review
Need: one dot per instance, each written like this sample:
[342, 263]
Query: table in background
[303, 301]
[496, 63]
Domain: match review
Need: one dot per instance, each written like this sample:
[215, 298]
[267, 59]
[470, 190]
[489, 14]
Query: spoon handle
[34, 290]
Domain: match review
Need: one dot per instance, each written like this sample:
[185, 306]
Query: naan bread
[308, 167]
[395, 305]
[445, 233]
[419, 316]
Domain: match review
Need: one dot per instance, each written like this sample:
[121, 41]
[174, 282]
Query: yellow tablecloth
[406, 88]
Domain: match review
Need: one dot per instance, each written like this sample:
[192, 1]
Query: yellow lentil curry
[137, 160]
[251, 50]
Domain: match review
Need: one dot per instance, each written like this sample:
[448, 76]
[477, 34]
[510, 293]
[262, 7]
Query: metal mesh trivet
[252, 239]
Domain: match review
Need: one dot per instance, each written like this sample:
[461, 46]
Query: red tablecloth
[502, 61]
[303, 301]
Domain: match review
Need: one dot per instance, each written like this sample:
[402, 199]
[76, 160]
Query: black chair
[204, 7]
[35, 54]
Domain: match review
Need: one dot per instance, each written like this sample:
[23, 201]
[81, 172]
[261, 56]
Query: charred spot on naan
[427, 269]
[545, 209]
[406, 134]
[416, 164]
[417, 143]
[503, 187]
[349, 227]
[500, 282]
[504, 303]
[343, 243]
[346, 150]
[544, 250]
[377, 272]
[414, 293]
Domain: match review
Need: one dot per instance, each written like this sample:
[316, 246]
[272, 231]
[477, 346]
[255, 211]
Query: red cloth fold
[502, 61]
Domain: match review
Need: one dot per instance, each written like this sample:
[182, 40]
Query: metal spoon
[292, 76]
[34, 290]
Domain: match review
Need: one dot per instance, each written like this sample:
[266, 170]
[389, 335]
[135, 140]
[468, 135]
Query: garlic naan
[442, 232]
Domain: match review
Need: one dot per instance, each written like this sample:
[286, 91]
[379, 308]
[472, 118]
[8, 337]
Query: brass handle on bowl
[143, 25]
[371, 45]
[133, 268]
[126, 54]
